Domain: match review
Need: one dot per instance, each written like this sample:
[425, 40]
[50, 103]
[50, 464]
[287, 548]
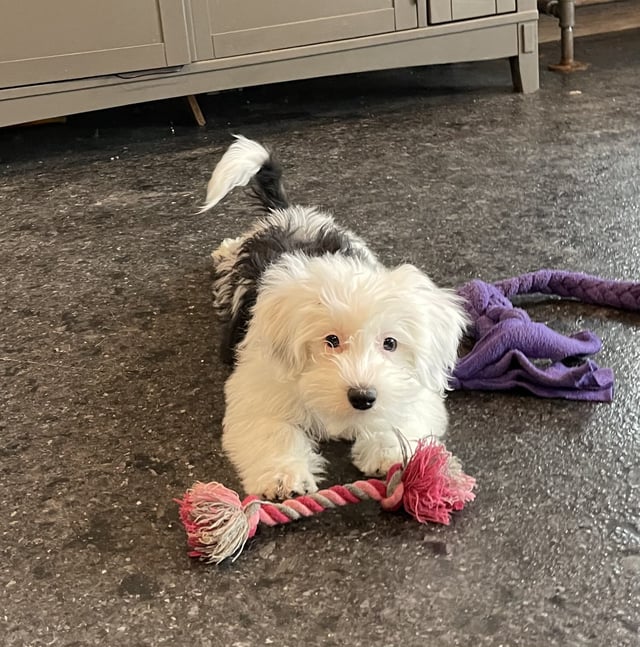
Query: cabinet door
[43, 41]
[248, 26]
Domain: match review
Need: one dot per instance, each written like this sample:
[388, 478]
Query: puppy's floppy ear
[436, 325]
[280, 323]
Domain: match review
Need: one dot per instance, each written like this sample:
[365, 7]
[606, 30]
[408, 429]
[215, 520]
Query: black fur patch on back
[259, 252]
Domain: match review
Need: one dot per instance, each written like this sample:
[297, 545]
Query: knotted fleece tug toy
[430, 486]
[508, 346]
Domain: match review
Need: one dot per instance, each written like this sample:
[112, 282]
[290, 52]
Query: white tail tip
[243, 159]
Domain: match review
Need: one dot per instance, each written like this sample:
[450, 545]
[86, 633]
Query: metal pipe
[567, 16]
[565, 11]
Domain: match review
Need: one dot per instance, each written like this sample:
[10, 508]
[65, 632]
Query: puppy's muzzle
[362, 398]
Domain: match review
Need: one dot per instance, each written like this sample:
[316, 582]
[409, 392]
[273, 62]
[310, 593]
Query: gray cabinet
[43, 41]
[66, 56]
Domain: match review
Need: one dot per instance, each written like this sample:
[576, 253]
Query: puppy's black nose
[362, 398]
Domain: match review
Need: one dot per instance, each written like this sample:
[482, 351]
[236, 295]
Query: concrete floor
[112, 390]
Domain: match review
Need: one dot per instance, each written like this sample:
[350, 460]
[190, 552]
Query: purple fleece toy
[506, 340]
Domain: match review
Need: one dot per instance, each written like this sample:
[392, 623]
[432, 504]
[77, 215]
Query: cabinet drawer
[249, 26]
[440, 11]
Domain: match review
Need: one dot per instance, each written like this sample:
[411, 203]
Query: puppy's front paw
[284, 484]
[377, 462]
[375, 454]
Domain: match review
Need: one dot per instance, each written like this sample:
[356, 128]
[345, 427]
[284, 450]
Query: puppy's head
[359, 340]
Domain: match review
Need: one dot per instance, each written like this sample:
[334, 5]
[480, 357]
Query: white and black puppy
[327, 343]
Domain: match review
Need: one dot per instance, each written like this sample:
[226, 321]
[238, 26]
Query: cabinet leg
[524, 73]
[195, 110]
[524, 67]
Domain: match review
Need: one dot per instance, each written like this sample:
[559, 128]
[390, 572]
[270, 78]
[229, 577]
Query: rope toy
[509, 347]
[430, 486]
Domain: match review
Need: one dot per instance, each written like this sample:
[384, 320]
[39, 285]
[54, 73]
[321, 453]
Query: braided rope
[277, 513]
[624, 295]
[430, 486]
[508, 344]
[218, 524]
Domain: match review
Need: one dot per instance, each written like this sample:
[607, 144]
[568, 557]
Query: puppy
[327, 343]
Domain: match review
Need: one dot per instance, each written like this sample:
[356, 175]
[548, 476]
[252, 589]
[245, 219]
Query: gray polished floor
[112, 390]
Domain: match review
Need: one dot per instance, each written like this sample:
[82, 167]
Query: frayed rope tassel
[429, 487]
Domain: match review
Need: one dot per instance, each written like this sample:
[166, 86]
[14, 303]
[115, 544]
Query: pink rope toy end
[429, 487]
[216, 522]
[433, 484]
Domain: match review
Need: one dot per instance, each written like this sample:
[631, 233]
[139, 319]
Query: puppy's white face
[360, 341]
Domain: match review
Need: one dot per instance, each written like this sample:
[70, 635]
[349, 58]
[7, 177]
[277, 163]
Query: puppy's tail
[247, 161]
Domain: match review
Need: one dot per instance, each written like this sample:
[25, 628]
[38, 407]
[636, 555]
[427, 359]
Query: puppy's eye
[332, 341]
[390, 344]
